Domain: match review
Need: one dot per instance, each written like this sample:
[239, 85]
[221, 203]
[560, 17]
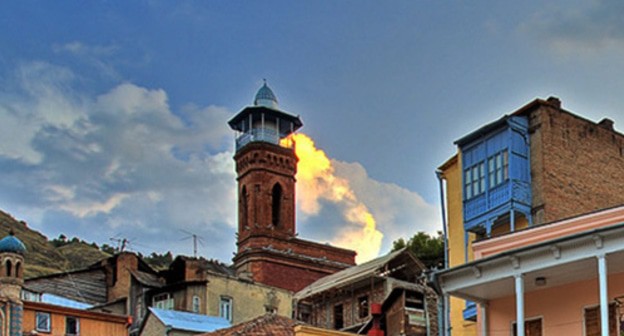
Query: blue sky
[113, 113]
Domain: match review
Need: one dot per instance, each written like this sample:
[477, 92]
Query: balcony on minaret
[264, 122]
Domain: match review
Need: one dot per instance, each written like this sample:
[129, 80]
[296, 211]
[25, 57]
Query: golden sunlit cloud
[315, 181]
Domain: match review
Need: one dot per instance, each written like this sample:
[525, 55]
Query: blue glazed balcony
[496, 174]
[498, 200]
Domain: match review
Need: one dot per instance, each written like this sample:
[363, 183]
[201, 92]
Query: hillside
[42, 257]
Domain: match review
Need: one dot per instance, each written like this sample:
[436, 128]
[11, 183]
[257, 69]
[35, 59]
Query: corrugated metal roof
[189, 321]
[63, 302]
[351, 275]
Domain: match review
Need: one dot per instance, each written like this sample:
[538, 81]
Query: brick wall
[577, 166]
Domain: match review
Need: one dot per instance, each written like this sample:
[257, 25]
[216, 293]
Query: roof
[147, 279]
[11, 244]
[189, 321]
[265, 325]
[265, 97]
[63, 302]
[356, 273]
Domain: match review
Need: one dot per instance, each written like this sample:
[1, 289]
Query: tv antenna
[196, 239]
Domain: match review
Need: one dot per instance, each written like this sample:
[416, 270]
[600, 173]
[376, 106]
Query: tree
[428, 248]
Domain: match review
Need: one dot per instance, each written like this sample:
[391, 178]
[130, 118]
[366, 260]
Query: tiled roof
[189, 321]
[266, 325]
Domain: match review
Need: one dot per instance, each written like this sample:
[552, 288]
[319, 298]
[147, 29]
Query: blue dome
[11, 244]
[265, 97]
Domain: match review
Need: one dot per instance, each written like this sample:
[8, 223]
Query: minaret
[269, 251]
[11, 281]
[266, 166]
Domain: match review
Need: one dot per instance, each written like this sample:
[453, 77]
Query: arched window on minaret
[8, 268]
[18, 269]
[277, 203]
[244, 203]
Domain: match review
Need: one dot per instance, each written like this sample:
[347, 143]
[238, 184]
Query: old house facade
[395, 282]
[537, 165]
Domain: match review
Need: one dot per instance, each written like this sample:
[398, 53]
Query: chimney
[606, 123]
[376, 328]
[554, 101]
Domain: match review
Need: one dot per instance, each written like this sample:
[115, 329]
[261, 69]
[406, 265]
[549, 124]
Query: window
[163, 301]
[244, 205]
[592, 321]
[338, 317]
[498, 168]
[363, 306]
[8, 268]
[532, 327]
[72, 326]
[42, 321]
[196, 304]
[277, 203]
[225, 308]
[474, 180]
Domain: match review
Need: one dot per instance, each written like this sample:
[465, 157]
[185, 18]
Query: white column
[483, 307]
[519, 304]
[604, 298]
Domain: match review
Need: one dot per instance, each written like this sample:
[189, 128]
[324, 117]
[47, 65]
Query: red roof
[265, 325]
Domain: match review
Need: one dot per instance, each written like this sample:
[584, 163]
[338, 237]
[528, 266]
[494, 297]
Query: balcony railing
[261, 135]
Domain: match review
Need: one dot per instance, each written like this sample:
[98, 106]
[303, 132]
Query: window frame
[226, 305]
[363, 306]
[166, 304]
[196, 304]
[474, 180]
[48, 325]
[77, 331]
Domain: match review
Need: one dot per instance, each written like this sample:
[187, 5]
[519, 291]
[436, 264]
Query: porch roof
[560, 261]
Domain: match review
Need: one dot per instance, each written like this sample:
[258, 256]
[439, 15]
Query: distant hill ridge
[42, 257]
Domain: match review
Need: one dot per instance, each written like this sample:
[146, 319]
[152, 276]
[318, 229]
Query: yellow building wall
[452, 173]
[249, 300]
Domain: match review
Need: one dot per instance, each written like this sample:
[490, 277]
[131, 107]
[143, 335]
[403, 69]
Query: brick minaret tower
[266, 164]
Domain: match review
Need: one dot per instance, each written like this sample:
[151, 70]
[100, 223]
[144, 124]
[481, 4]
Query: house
[396, 282]
[539, 164]
[194, 285]
[175, 323]
[48, 319]
[212, 288]
[34, 318]
[560, 278]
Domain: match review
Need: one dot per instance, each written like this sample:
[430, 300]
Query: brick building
[538, 165]
[266, 164]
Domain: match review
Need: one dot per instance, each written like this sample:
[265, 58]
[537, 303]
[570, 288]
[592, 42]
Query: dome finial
[265, 97]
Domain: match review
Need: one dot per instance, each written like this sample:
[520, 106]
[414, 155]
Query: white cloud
[118, 163]
[399, 212]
